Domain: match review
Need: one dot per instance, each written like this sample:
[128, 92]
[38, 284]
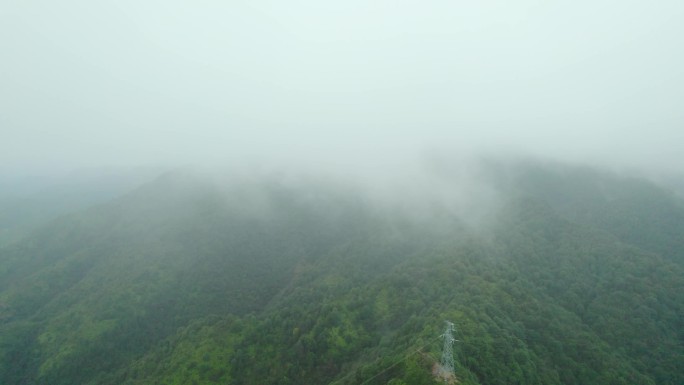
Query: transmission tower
[446, 370]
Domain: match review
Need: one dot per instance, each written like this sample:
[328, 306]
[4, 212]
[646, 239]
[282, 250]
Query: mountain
[576, 277]
[26, 203]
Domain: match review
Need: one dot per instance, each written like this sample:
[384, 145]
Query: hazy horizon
[354, 84]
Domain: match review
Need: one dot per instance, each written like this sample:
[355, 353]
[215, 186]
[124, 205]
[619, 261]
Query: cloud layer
[340, 83]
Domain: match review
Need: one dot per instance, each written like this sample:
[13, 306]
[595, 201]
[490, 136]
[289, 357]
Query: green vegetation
[578, 280]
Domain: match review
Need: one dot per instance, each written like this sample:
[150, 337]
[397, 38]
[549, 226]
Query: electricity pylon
[446, 370]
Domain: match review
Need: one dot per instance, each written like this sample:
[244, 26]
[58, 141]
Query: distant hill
[26, 203]
[576, 278]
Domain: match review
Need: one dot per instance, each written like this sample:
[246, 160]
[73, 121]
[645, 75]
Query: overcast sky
[119, 83]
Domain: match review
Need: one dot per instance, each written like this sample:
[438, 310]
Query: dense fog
[351, 85]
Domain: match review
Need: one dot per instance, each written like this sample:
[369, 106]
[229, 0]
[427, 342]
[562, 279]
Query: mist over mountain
[303, 192]
[29, 201]
[560, 274]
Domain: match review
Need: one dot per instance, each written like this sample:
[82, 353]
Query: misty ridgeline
[384, 173]
[550, 273]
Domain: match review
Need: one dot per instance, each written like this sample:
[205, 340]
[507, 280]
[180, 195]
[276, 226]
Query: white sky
[126, 82]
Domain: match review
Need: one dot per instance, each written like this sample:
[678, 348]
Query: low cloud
[353, 85]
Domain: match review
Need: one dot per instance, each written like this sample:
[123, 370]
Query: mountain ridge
[187, 279]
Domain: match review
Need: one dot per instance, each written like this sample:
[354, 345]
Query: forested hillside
[577, 278]
[28, 202]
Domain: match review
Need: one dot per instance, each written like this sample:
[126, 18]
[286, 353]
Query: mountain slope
[28, 203]
[188, 280]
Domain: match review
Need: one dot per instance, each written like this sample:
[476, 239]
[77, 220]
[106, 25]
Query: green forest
[577, 277]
